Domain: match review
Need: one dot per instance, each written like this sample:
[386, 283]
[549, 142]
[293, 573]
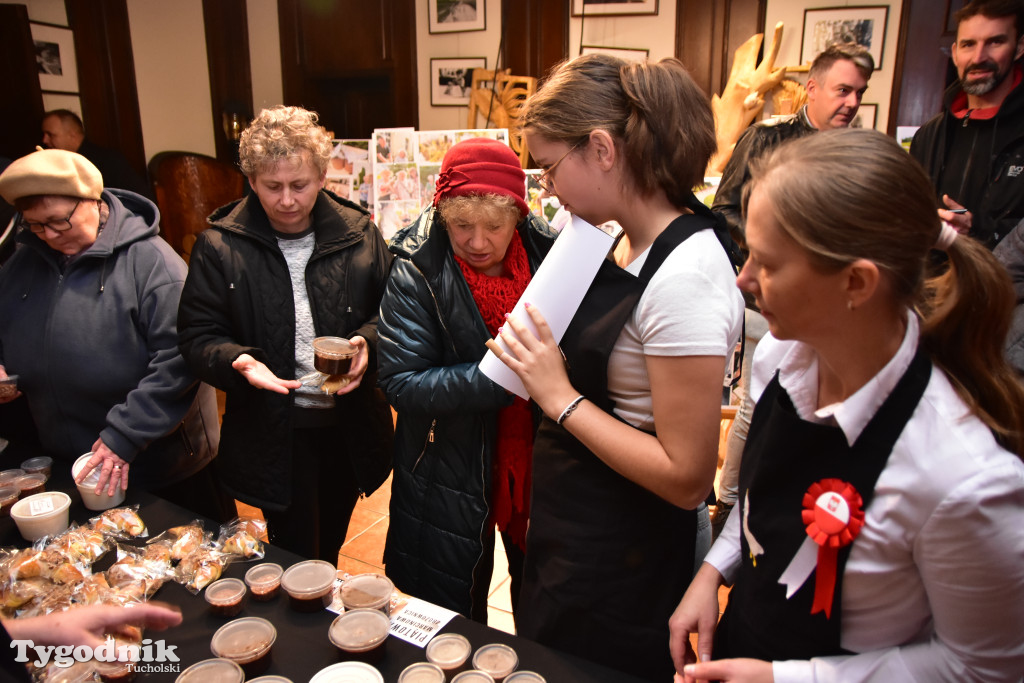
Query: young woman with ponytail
[626, 454]
[881, 502]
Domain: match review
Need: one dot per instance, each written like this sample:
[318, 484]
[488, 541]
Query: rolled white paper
[556, 290]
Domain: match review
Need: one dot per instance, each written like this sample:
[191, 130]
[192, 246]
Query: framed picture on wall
[451, 79]
[613, 7]
[451, 16]
[862, 25]
[55, 55]
[627, 53]
[867, 116]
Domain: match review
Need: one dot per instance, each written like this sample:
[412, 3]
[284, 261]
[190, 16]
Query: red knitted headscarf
[510, 489]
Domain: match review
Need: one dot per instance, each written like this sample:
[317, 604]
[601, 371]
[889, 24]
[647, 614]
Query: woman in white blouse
[881, 497]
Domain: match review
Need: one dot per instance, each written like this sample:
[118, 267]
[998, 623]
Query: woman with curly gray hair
[287, 264]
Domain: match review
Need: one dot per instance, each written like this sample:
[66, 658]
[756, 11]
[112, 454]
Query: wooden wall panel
[227, 53]
[708, 33]
[21, 107]
[353, 93]
[923, 66]
[536, 35]
[106, 77]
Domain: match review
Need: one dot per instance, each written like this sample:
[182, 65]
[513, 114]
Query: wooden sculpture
[743, 96]
[499, 98]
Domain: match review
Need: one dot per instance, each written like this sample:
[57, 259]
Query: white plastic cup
[87, 488]
[44, 514]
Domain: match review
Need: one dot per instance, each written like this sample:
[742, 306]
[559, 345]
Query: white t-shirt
[691, 307]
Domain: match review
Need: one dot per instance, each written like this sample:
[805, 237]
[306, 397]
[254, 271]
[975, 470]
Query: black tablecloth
[302, 647]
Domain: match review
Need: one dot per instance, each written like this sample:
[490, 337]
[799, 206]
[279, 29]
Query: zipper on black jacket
[430, 440]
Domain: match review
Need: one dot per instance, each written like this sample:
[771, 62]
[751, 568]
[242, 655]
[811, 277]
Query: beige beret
[51, 172]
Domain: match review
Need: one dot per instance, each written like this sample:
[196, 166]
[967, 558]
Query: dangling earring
[849, 305]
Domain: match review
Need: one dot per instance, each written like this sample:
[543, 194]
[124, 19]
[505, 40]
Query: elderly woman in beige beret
[88, 306]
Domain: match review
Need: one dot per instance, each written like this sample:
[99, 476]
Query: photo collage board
[394, 174]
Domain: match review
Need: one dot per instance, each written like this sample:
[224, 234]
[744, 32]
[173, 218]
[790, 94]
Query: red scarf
[510, 484]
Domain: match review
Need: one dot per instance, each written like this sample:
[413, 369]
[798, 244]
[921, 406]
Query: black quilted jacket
[431, 338]
[238, 299]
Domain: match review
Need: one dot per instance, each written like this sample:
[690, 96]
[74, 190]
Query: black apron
[784, 457]
[606, 560]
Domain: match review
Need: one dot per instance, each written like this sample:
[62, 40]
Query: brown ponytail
[966, 314]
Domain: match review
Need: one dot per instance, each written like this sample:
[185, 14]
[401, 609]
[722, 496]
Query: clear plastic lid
[7, 477]
[496, 659]
[525, 677]
[9, 494]
[225, 591]
[310, 577]
[448, 650]
[266, 574]
[366, 590]
[337, 347]
[359, 630]
[348, 672]
[38, 464]
[270, 679]
[473, 677]
[421, 672]
[93, 477]
[243, 640]
[212, 671]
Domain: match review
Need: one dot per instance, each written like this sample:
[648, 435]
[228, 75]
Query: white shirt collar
[798, 375]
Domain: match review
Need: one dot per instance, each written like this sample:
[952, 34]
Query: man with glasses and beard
[974, 150]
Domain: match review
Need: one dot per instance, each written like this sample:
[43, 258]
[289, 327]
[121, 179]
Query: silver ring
[117, 467]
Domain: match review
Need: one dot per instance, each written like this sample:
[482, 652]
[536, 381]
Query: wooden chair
[499, 97]
[187, 188]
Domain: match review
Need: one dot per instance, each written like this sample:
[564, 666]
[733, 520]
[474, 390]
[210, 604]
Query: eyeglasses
[56, 225]
[543, 178]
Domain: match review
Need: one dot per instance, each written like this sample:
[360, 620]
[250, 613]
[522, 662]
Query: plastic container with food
[87, 487]
[473, 677]
[309, 584]
[525, 677]
[246, 642]
[347, 672]
[30, 484]
[270, 679]
[9, 386]
[225, 597]
[40, 465]
[421, 672]
[115, 672]
[8, 497]
[264, 581]
[212, 671]
[367, 591]
[44, 514]
[361, 634]
[450, 651]
[497, 659]
[8, 477]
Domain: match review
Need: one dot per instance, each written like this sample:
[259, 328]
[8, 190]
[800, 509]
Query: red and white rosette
[833, 515]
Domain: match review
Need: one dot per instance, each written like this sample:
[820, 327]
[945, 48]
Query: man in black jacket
[835, 85]
[974, 149]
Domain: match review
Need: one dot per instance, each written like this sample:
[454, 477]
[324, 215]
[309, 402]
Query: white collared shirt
[934, 586]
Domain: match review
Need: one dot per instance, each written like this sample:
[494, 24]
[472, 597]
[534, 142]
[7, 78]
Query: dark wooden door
[21, 108]
[923, 66]
[352, 61]
[708, 33]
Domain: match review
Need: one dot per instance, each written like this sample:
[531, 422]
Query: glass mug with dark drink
[332, 358]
